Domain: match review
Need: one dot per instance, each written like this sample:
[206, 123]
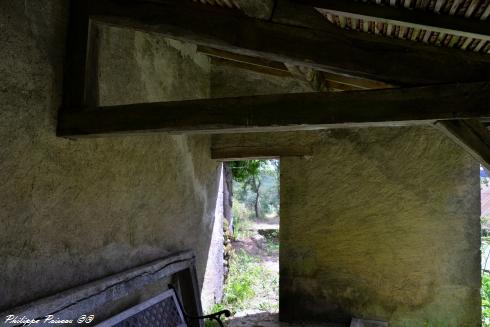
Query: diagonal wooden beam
[263, 63]
[330, 49]
[442, 23]
[300, 111]
[471, 135]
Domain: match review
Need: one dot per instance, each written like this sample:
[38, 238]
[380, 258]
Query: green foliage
[240, 210]
[242, 225]
[269, 195]
[244, 170]
[485, 299]
[485, 284]
[242, 274]
[248, 281]
[484, 181]
[215, 308]
[272, 244]
[254, 177]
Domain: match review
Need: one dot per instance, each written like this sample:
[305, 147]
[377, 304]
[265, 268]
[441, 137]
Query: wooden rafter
[264, 66]
[455, 108]
[417, 19]
[300, 111]
[329, 49]
[254, 61]
[77, 75]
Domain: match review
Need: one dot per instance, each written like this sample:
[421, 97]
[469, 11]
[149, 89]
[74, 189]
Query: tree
[249, 173]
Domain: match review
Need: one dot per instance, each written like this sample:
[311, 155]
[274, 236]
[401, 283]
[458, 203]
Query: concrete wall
[75, 211]
[381, 224]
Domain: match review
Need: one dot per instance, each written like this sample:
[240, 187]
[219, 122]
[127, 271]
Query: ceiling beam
[283, 112]
[79, 56]
[230, 147]
[330, 49]
[339, 82]
[471, 135]
[442, 23]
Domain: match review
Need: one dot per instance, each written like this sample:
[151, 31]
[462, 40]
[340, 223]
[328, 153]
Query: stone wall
[75, 211]
[381, 224]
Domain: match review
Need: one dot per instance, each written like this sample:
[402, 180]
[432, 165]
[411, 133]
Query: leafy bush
[248, 282]
[272, 246]
[485, 299]
[241, 224]
[242, 275]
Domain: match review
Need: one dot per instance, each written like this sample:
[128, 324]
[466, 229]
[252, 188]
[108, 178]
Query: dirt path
[257, 247]
[263, 243]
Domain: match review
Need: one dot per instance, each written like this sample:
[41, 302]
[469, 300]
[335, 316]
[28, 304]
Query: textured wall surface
[381, 224]
[214, 276]
[74, 211]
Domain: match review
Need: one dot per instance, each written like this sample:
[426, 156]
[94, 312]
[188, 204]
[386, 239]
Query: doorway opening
[252, 237]
[485, 245]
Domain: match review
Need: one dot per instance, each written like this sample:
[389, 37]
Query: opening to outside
[252, 239]
[485, 246]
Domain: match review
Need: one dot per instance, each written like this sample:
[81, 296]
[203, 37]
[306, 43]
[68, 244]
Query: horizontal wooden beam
[330, 49]
[471, 135]
[442, 23]
[246, 146]
[299, 111]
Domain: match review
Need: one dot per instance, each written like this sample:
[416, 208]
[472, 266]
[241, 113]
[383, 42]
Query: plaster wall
[75, 211]
[381, 224]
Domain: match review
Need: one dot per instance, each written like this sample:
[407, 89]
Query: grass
[242, 223]
[249, 285]
[272, 243]
[485, 289]
[485, 299]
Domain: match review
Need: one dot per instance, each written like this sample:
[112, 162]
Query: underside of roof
[470, 9]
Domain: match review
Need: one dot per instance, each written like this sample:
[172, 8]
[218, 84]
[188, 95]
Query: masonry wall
[381, 224]
[72, 211]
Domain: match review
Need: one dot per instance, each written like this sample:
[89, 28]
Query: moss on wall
[381, 224]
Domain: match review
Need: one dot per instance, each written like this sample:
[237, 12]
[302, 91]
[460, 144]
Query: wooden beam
[442, 23]
[77, 56]
[355, 83]
[330, 49]
[299, 111]
[264, 66]
[471, 135]
[254, 68]
[230, 56]
[246, 146]
[239, 152]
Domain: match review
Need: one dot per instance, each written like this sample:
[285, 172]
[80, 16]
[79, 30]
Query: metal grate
[161, 314]
[160, 311]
